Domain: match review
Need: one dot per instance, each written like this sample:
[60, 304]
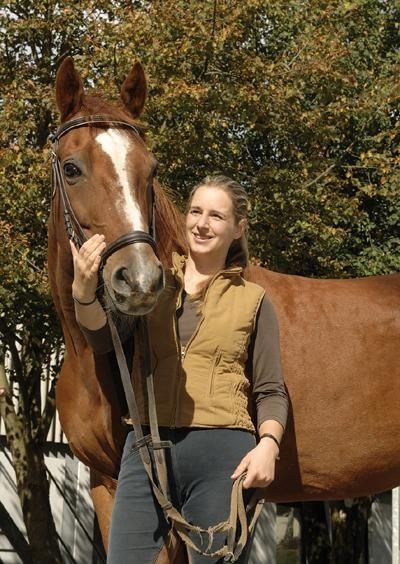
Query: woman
[226, 332]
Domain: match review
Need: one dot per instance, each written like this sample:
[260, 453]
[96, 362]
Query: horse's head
[107, 173]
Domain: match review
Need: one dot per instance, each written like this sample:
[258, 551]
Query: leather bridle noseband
[73, 227]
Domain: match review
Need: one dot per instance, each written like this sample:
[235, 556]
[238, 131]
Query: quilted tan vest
[205, 385]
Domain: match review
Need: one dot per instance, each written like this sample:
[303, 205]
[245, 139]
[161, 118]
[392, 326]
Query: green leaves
[298, 100]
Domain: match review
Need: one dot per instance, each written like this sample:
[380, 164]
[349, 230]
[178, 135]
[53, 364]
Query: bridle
[73, 227]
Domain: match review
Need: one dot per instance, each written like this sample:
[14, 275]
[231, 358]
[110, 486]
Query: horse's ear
[133, 90]
[69, 89]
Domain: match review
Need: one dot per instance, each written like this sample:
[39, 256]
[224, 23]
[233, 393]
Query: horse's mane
[170, 233]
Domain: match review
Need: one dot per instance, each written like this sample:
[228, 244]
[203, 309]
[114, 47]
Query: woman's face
[211, 225]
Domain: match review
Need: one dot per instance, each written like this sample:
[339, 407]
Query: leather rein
[150, 446]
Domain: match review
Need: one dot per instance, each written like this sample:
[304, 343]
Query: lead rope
[233, 548]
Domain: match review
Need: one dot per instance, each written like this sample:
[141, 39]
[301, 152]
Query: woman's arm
[265, 368]
[88, 310]
[270, 397]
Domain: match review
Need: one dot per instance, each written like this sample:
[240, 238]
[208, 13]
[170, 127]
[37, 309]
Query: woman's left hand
[259, 464]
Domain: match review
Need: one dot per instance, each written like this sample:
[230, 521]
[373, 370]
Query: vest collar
[178, 267]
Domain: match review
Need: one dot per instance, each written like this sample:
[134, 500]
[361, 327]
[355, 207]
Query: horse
[339, 338]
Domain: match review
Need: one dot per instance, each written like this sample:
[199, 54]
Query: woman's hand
[86, 267]
[259, 464]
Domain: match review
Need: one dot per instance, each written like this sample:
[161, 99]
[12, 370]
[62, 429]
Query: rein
[74, 230]
[236, 537]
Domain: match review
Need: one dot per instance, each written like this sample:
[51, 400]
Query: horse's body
[341, 359]
[340, 343]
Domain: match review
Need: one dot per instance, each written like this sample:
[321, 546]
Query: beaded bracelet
[84, 303]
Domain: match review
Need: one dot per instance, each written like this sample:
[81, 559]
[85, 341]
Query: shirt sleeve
[99, 340]
[265, 369]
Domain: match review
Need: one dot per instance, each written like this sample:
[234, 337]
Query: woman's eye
[71, 170]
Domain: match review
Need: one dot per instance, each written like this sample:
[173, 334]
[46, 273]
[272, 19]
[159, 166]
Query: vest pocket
[217, 358]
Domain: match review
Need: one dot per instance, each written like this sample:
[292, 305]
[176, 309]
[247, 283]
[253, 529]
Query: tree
[29, 331]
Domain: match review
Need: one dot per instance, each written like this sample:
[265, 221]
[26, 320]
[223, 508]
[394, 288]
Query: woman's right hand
[86, 267]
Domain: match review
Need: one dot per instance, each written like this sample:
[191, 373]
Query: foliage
[299, 100]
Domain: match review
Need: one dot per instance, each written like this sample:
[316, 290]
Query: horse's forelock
[95, 104]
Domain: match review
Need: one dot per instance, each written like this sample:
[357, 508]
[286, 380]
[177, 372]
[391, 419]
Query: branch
[16, 359]
[320, 175]
[329, 167]
[115, 67]
[17, 368]
[31, 263]
[292, 60]
[206, 62]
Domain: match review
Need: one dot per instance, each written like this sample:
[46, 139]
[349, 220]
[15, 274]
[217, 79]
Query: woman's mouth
[201, 237]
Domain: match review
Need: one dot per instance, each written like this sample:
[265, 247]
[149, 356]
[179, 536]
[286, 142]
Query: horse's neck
[61, 277]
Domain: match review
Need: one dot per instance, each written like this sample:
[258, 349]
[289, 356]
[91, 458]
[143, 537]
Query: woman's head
[216, 220]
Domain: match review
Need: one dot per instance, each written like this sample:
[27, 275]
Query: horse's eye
[71, 170]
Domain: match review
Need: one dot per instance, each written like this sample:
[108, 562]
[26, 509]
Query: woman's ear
[241, 228]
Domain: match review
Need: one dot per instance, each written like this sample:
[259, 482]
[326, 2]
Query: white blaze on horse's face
[116, 145]
[133, 274]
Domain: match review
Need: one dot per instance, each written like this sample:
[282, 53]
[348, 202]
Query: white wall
[70, 502]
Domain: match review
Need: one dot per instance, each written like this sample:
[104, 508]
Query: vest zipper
[182, 353]
[217, 358]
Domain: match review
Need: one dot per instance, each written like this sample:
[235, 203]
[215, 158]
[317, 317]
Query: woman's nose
[202, 220]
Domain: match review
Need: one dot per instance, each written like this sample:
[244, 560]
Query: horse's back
[340, 354]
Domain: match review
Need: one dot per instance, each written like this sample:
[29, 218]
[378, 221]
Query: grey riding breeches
[199, 463]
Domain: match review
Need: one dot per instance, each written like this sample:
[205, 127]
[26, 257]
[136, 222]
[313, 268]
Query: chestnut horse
[340, 339]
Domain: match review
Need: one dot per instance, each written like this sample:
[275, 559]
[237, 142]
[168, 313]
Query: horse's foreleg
[102, 489]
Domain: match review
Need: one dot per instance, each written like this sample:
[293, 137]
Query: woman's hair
[238, 254]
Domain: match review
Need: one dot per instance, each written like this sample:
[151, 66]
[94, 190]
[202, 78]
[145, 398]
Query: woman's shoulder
[253, 287]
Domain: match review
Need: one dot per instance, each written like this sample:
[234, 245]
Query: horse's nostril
[127, 281]
[123, 274]
[122, 279]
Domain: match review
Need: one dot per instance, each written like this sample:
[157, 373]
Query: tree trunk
[32, 482]
[315, 545]
[33, 490]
